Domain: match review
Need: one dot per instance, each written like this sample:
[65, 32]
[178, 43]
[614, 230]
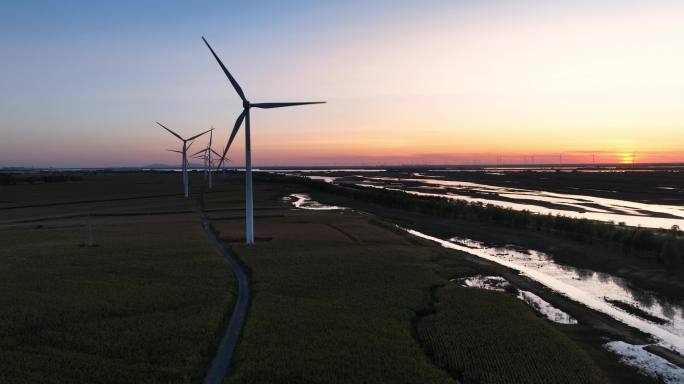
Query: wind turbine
[201, 154]
[207, 157]
[184, 154]
[184, 160]
[246, 106]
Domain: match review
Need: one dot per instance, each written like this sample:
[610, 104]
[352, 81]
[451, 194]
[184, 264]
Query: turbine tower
[201, 154]
[208, 160]
[246, 106]
[205, 155]
[184, 153]
[184, 160]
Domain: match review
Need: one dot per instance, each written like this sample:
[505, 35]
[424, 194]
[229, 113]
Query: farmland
[498, 340]
[146, 304]
[338, 296]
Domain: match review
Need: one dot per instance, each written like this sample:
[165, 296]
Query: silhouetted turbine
[184, 153]
[246, 105]
[208, 160]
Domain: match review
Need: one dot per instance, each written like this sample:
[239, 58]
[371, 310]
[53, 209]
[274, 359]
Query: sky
[406, 82]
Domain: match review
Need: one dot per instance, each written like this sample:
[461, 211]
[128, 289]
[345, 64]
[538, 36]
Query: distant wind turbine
[246, 105]
[205, 155]
[184, 154]
[207, 152]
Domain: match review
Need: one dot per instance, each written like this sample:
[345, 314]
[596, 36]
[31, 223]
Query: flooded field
[614, 296]
[593, 289]
[498, 283]
[303, 201]
[646, 311]
[589, 206]
[609, 291]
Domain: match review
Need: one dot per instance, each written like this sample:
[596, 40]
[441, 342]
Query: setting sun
[627, 158]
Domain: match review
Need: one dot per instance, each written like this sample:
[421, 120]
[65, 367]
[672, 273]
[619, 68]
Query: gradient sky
[82, 82]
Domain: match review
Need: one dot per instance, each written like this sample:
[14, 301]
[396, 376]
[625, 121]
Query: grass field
[147, 304]
[487, 337]
[328, 307]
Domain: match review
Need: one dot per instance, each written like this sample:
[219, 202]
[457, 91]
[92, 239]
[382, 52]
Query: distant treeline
[13, 179]
[665, 245]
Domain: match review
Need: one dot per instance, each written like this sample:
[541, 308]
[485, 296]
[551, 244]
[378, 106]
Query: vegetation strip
[664, 245]
[224, 354]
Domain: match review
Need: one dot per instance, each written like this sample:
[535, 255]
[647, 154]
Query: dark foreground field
[337, 296]
[146, 304]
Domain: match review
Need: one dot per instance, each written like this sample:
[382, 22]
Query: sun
[626, 158]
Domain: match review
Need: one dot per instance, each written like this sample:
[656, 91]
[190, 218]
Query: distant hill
[170, 166]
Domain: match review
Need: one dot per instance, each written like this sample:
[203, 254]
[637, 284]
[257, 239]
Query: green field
[489, 337]
[333, 301]
[338, 296]
[147, 304]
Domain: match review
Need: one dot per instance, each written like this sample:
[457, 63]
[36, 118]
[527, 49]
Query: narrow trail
[226, 349]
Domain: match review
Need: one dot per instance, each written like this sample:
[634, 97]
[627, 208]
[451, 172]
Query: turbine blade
[172, 132]
[238, 123]
[173, 150]
[200, 151]
[196, 136]
[188, 147]
[225, 70]
[279, 105]
[215, 153]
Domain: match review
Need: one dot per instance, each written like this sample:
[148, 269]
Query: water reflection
[582, 286]
[498, 283]
[646, 362]
[596, 290]
[304, 201]
[600, 285]
[542, 202]
[578, 206]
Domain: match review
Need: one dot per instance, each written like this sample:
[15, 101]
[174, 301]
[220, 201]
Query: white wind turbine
[246, 106]
[183, 159]
[201, 155]
[208, 160]
[184, 154]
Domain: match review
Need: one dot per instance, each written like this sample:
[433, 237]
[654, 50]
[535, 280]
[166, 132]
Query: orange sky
[519, 81]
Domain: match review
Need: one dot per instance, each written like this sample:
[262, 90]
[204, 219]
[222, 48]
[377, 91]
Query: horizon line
[358, 165]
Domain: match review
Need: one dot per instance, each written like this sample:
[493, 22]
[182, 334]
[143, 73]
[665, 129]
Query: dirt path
[226, 349]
